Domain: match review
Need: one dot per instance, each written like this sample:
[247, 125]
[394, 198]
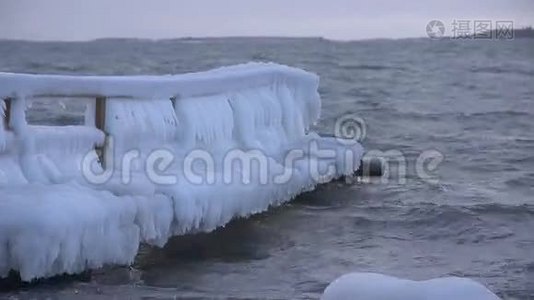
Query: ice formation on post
[182, 154]
[370, 286]
[3, 141]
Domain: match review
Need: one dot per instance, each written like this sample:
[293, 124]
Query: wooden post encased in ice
[7, 113]
[100, 123]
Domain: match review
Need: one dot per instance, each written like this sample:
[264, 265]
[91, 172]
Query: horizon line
[185, 38]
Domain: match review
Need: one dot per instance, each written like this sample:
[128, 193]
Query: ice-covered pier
[157, 156]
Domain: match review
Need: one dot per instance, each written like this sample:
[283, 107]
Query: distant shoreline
[527, 32]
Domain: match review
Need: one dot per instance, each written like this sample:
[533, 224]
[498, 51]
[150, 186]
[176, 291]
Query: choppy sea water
[473, 101]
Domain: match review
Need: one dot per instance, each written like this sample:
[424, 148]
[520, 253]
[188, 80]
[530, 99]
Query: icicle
[141, 124]
[205, 121]
[293, 122]
[18, 115]
[89, 114]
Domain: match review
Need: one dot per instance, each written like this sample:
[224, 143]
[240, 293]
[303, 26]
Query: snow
[224, 144]
[370, 286]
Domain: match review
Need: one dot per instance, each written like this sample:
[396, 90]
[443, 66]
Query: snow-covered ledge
[221, 80]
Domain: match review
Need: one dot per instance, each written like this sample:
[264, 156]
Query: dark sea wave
[369, 67]
[502, 70]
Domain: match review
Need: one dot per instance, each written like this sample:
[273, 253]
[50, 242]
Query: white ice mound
[370, 286]
[183, 154]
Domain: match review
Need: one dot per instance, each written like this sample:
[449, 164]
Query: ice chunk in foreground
[370, 286]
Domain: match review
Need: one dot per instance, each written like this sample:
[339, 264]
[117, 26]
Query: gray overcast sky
[156, 19]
